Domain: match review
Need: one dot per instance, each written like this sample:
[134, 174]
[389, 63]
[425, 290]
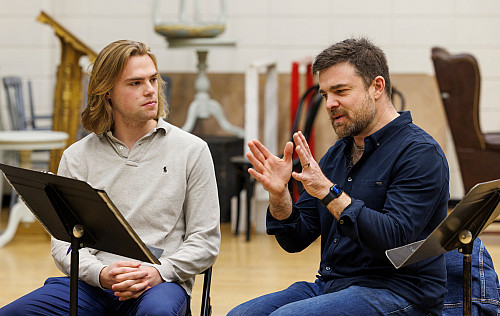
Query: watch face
[336, 190]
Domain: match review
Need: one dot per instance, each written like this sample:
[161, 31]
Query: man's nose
[332, 103]
[150, 88]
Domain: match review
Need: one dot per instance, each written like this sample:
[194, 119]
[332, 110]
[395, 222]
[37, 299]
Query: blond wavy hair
[97, 117]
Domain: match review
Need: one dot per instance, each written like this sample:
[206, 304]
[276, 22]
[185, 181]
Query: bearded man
[382, 185]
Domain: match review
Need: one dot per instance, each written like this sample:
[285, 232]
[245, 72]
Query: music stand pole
[78, 232]
[71, 221]
[467, 277]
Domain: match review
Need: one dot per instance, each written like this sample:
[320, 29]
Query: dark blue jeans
[304, 298]
[53, 299]
[485, 287]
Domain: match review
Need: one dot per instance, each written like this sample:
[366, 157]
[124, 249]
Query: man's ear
[379, 86]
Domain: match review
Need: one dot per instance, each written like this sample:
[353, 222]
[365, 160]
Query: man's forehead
[338, 75]
[139, 67]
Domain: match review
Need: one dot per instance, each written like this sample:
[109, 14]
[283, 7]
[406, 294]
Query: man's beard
[358, 120]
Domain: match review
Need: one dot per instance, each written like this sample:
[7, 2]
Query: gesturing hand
[129, 279]
[271, 171]
[311, 177]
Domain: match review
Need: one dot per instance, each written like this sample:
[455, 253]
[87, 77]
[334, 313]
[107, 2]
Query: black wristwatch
[335, 192]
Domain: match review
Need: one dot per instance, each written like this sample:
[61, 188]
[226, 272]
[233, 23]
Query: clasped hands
[129, 279]
[274, 172]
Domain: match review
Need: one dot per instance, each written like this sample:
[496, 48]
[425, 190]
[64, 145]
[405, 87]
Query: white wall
[283, 29]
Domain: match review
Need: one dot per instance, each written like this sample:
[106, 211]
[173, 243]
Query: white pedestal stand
[25, 142]
[203, 106]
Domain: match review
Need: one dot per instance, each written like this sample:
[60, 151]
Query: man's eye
[154, 79]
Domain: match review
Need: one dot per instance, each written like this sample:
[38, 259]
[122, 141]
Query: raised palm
[271, 171]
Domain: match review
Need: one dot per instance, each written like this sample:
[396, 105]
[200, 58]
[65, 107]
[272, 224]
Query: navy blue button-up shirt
[399, 191]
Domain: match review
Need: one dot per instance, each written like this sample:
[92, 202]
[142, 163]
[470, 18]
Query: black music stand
[478, 209]
[72, 211]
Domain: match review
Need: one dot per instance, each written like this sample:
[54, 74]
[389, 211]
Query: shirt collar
[391, 128]
[161, 126]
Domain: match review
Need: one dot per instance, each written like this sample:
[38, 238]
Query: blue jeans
[53, 299]
[485, 287]
[304, 298]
